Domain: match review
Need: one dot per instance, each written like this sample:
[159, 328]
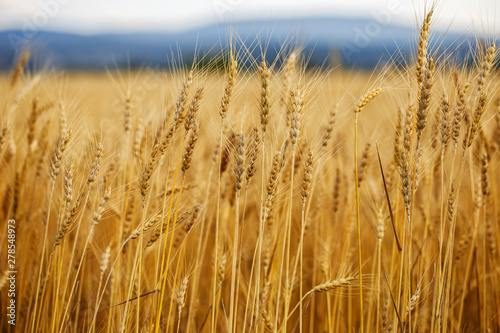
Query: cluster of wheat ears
[268, 198]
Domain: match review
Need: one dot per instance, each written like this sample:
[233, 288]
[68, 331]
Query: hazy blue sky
[91, 16]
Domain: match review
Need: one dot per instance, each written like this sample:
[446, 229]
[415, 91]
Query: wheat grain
[100, 209]
[422, 47]
[58, 155]
[265, 104]
[19, 68]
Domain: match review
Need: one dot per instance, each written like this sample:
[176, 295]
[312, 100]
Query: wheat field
[260, 198]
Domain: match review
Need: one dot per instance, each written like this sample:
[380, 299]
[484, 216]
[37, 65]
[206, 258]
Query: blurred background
[99, 34]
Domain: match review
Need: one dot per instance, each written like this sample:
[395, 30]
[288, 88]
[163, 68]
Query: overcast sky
[95, 16]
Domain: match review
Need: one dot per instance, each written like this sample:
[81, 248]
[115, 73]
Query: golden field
[267, 198]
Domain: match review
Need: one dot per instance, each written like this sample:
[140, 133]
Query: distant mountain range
[361, 43]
